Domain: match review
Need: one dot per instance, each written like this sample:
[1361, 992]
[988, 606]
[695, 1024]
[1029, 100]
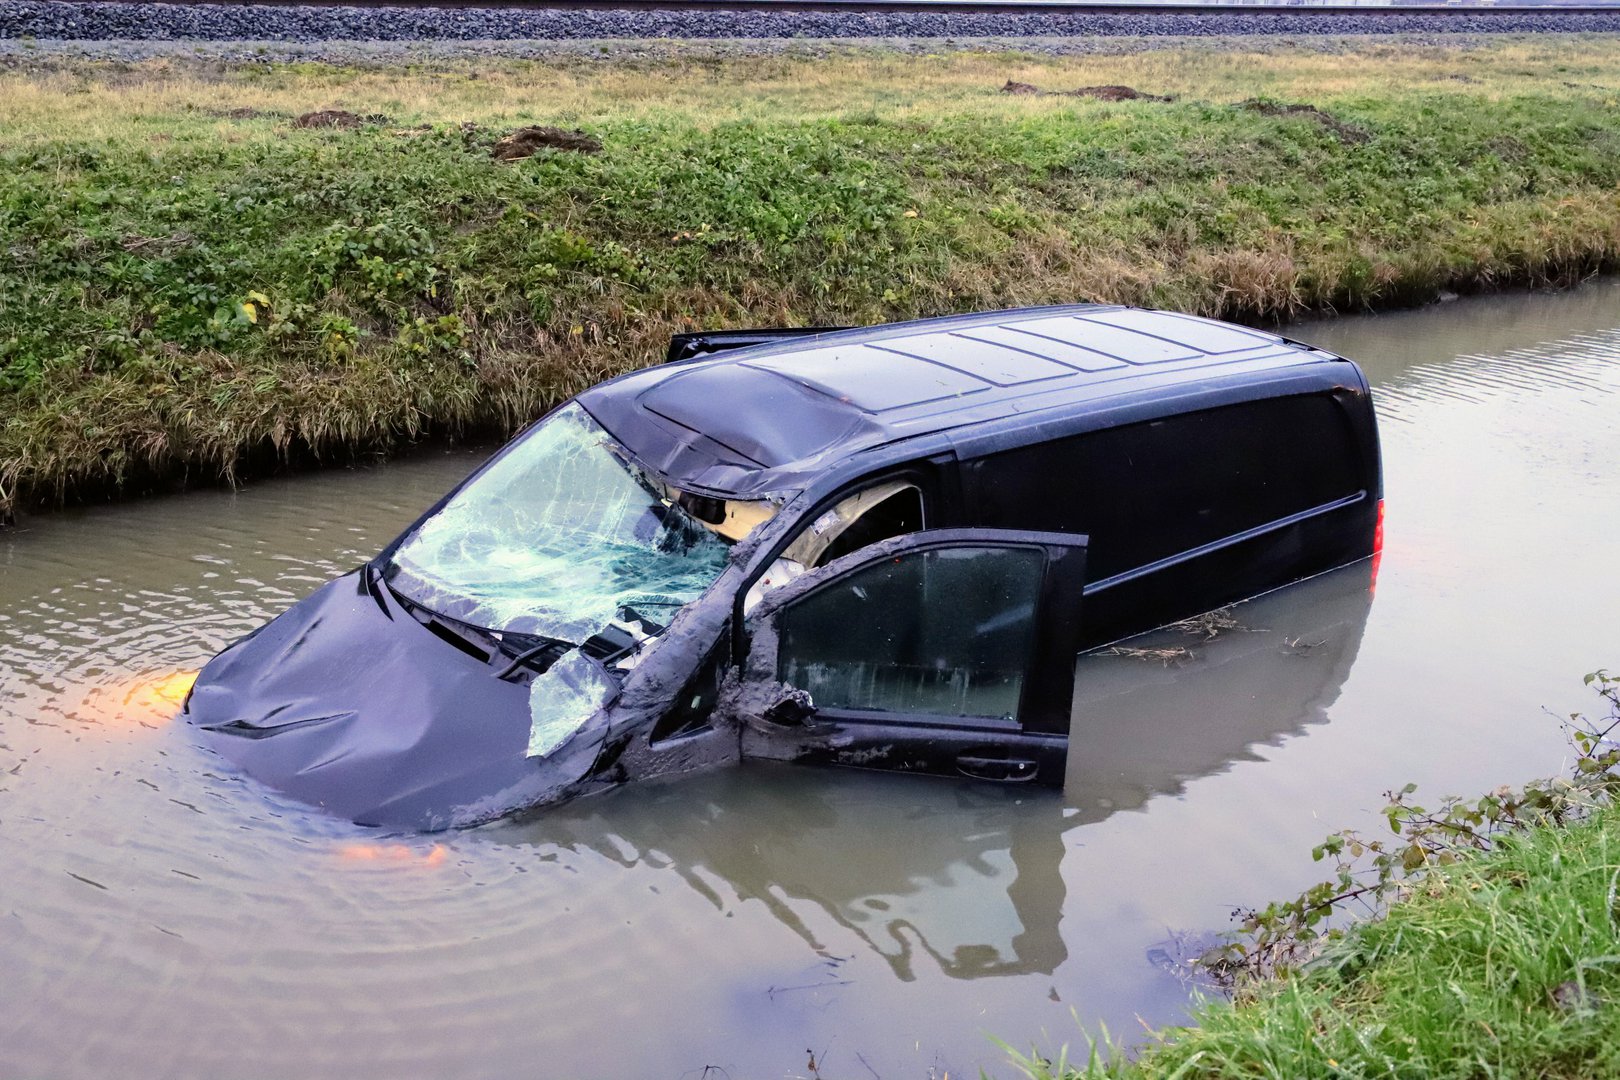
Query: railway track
[554, 20]
[947, 7]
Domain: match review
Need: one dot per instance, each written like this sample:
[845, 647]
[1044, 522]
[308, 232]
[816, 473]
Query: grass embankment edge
[1497, 954]
[195, 291]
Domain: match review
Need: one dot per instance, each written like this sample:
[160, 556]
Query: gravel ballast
[74, 21]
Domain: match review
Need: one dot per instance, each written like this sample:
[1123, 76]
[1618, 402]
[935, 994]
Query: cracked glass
[557, 538]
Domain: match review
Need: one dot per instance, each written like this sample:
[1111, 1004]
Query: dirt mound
[528, 141]
[1101, 93]
[337, 118]
[1114, 93]
[1347, 132]
[1508, 148]
[246, 114]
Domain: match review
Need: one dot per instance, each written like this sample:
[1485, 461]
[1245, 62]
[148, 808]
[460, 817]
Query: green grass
[1504, 965]
[188, 295]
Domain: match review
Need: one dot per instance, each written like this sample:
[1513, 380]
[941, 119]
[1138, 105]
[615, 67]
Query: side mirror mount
[792, 709]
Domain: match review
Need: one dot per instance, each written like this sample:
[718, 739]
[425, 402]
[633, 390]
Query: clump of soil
[245, 114]
[1347, 132]
[1114, 93]
[337, 118]
[1101, 93]
[1507, 148]
[528, 141]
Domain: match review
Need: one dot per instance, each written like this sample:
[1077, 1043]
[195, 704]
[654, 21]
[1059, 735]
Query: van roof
[749, 420]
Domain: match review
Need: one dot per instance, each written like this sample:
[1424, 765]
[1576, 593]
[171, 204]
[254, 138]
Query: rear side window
[1148, 491]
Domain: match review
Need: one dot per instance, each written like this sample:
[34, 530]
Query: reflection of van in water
[878, 547]
[971, 885]
[1170, 705]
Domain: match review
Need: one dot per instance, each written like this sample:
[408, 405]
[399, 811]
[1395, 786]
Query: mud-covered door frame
[960, 647]
[937, 482]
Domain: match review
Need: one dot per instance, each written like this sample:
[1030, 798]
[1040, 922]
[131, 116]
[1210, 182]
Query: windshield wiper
[531, 658]
[501, 643]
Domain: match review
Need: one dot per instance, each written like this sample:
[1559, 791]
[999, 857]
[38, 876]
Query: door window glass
[940, 632]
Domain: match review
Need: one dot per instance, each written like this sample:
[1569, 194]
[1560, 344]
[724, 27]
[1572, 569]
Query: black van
[880, 547]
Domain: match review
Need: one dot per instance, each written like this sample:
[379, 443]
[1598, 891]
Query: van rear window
[1151, 490]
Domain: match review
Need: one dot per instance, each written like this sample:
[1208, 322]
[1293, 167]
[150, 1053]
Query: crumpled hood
[347, 702]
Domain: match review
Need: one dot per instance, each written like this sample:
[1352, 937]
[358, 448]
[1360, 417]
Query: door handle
[1000, 769]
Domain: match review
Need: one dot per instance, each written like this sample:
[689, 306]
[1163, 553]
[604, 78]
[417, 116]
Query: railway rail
[946, 7]
[312, 21]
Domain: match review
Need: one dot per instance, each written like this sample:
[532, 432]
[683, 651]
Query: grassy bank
[1496, 952]
[191, 284]
[1503, 966]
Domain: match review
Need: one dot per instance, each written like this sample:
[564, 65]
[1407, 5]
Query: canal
[161, 915]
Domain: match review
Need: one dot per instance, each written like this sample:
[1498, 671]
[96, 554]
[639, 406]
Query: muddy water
[160, 916]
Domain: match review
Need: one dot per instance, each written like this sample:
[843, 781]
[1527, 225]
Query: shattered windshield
[555, 538]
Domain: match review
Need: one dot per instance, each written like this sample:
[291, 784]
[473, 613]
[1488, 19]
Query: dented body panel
[880, 548]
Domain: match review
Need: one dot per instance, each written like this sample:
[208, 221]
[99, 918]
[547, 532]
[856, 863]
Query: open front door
[945, 651]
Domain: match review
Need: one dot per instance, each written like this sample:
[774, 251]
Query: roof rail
[683, 347]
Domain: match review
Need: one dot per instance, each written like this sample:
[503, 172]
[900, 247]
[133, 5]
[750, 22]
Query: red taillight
[1378, 547]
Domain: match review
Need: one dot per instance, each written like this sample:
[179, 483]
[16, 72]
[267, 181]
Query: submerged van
[880, 547]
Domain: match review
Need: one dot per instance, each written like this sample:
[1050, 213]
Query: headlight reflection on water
[393, 854]
[141, 701]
